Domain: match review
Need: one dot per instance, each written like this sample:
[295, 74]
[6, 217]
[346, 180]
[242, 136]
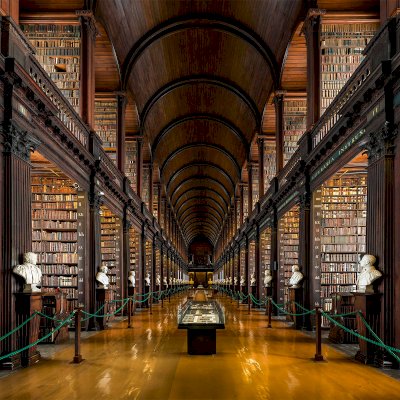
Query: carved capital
[87, 19]
[279, 96]
[382, 142]
[312, 20]
[95, 200]
[305, 200]
[18, 142]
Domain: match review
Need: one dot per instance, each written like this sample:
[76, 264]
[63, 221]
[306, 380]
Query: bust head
[30, 258]
[295, 268]
[367, 260]
[103, 269]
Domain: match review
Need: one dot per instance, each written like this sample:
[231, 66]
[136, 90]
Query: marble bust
[296, 277]
[147, 280]
[102, 278]
[170, 281]
[30, 272]
[235, 280]
[242, 281]
[165, 282]
[132, 278]
[267, 278]
[368, 274]
[158, 279]
[252, 280]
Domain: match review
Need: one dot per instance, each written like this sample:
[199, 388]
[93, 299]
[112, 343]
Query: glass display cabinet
[201, 319]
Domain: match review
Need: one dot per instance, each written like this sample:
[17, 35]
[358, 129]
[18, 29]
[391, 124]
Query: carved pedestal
[131, 293]
[295, 295]
[244, 293]
[103, 297]
[369, 305]
[155, 299]
[25, 305]
[254, 293]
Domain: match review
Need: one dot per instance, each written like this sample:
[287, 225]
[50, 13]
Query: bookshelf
[146, 184]
[265, 259]
[255, 185]
[105, 124]
[155, 202]
[340, 227]
[294, 125]
[245, 201]
[56, 235]
[252, 258]
[269, 162]
[158, 262]
[110, 251]
[134, 238]
[342, 45]
[58, 52]
[130, 163]
[288, 239]
[149, 260]
[242, 264]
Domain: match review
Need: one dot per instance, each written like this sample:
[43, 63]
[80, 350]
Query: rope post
[162, 299]
[249, 303]
[318, 355]
[238, 300]
[169, 295]
[269, 308]
[129, 312]
[78, 326]
[151, 303]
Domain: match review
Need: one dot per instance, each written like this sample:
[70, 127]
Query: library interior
[198, 199]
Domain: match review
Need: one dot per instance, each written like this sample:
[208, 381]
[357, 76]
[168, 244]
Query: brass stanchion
[318, 355]
[269, 309]
[78, 326]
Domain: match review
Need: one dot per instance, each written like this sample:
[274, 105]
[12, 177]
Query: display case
[201, 319]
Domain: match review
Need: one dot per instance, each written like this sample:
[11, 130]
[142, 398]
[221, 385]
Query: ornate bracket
[17, 142]
[382, 142]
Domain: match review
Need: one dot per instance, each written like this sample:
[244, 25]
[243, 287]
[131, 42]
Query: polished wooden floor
[150, 362]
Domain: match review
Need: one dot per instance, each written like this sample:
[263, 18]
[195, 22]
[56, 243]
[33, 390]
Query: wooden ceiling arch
[201, 73]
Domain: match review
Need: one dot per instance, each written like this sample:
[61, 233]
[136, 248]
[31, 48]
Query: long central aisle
[150, 362]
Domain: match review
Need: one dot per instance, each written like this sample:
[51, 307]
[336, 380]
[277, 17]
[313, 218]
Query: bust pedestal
[254, 293]
[103, 297]
[369, 305]
[25, 305]
[295, 295]
[244, 293]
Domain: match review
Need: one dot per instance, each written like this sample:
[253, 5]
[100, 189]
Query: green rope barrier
[48, 317]
[348, 330]
[376, 336]
[292, 314]
[19, 326]
[104, 315]
[65, 322]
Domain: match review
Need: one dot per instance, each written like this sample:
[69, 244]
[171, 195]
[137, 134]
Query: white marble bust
[147, 280]
[267, 278]
[30, 272]
[230, 280]
[132, 278]
[252, 280]
[242, 280]
[368, 274]
[158, 279]
[102, 278]
[165, 282]
[296, 277]
[170, 281]
[235, 280]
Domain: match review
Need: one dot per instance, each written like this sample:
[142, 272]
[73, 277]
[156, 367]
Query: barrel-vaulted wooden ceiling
[200, 73]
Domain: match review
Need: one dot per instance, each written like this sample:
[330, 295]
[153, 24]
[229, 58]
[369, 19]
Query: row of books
[338, 278]
[59, 269]
[71, 258]
[54, 236]
[55, 205]
[56, 225]
[54, 247]
[51, 280]
[339, 267]
[54, 215]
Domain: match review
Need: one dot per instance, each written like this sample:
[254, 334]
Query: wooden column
[159, 203]
[246, 267]
[257, 269]
[278, 102]
[380, 221]
[162, 268]
[305, 261]
[150, 168]
[274, 255]
[139, 167]
[241, 204]
[153, 265]
[312, 32]
[125, 262]
[142, 259]
[16, 219]
[261, 189]
[87, 66]
[250, 188]
[121, 147]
